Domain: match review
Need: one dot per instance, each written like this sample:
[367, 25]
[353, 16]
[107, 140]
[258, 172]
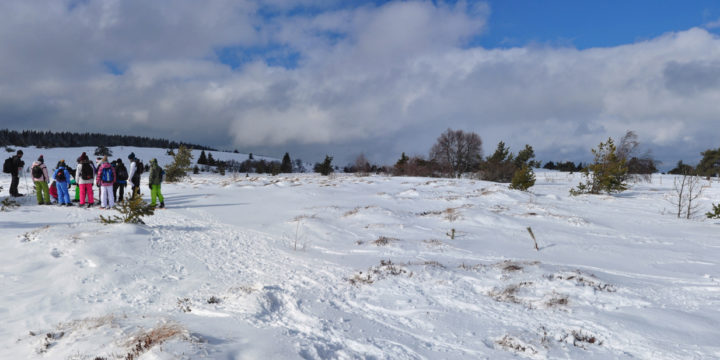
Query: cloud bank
[321, 77]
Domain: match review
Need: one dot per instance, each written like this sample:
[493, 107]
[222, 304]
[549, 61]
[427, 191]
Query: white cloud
[384, 78]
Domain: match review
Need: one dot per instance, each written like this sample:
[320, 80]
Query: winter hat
[131, 156]
[19, 152]
[41, 159]
[82, 157]
[119, 161]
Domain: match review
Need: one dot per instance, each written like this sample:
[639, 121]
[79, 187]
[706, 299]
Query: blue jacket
[67, 174]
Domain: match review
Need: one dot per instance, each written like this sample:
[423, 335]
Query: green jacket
[156, 173]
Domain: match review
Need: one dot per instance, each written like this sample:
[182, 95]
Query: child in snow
[121, 182]
[53, 192]
[106, 179]
[40, 178]
[155, 181]
[85, 175]
[62, 183]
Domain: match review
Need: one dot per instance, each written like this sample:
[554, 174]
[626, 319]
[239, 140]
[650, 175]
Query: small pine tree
[180, 166]
[523, 179]
[202, 160]
[210, 160]
[102, 150]
[250, 156]
[170, 152]
[196, 170]
[715, 214]
[286, 166]
[399, 168]
[324, 168]
[131, 210]
[607, 173]
[276, 168]
[221, 167]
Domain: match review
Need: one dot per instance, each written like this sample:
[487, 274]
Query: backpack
[37, 172]
[86, 171]
[7, 165]
[107, 175]
[139, 167]
[121, 172]
[60, 175]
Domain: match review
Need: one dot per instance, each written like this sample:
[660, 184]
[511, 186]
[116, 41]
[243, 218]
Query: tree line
[49, 139]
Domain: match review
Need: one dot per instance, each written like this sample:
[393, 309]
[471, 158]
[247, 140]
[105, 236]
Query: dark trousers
[116, 187]
[14, 185]
[135, 185]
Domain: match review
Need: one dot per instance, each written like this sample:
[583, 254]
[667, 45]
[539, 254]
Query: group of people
[110, 178]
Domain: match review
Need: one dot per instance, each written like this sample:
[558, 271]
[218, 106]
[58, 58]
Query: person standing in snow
[106, 179]
[98, 161]
[41, 179]
[16, 167]
[85, 176]
[155, 182]
[134, 175]
[122, 177]
[62, 183]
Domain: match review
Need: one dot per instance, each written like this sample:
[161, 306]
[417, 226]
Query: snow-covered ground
[305, 266]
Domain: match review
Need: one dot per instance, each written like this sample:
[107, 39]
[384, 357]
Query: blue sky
[316, 77]
[584, 24]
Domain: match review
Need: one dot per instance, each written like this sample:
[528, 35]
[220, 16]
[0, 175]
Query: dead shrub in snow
[470, 267]
[384, 240]
[33, 235]
[557, 300]
[214, 300]
[580, 339]
[146, 340]
[515, 345]
[8, 204]
[380, 272]
[431, 263]
[184, 305]
[583, 280]
[510, 293]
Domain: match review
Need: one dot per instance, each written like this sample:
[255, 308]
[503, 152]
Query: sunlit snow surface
[346, 267]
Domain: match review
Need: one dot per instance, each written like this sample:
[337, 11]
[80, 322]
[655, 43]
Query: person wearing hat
[156, 174]
[106, 178]
[17, 166]
[62, 183]
[41, 179]
[135, 171]
[85, 176]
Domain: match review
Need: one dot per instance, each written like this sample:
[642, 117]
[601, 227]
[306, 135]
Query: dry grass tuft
[512, 344]
[384, 240]
[385, 269]
[144, 341]
[581, 279]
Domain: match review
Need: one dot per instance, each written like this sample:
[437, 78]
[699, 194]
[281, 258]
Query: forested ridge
[70, 139]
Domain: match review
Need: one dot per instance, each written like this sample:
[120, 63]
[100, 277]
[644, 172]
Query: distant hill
[70, 139]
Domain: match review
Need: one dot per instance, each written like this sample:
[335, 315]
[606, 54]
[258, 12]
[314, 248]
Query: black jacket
[17, 164]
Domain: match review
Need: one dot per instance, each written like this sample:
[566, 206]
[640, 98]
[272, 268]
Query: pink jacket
[102, 166]
[45, 176]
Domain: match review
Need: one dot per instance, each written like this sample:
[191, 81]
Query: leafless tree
[457, 151]
[640, 167]
[362, 166]
[687, 189]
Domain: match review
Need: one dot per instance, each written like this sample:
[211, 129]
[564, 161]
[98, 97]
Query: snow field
[304, 266]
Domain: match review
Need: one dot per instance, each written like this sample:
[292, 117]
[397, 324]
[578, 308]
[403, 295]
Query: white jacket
[78, 177]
